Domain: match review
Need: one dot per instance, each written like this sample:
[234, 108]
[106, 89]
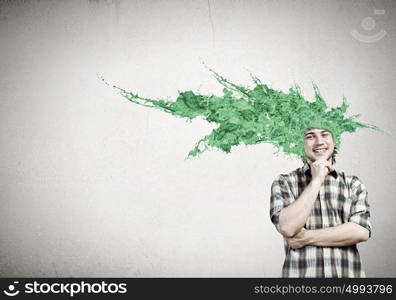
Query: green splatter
[256, 115]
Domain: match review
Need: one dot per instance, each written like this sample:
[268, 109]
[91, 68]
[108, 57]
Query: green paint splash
[255, 115]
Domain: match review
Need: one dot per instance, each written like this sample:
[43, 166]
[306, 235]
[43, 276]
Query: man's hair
[255, 115]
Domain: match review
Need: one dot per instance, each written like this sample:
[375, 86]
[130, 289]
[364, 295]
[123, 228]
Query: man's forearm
[293, 217]
[346, 234]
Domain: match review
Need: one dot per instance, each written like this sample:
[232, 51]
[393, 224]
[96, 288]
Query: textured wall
[92, 185]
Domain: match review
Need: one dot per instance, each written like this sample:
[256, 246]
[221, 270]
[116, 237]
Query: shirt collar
[307, 170]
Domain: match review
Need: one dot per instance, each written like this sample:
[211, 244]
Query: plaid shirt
[341, 199]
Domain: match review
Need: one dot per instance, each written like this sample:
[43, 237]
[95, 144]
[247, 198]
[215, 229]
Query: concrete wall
[92, 185]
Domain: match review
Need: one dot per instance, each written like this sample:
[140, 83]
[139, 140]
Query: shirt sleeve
[360, 208]
[281, 196]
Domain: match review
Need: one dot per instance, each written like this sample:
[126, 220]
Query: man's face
[318, 144]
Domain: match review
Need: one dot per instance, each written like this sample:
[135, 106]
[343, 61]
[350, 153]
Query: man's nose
[319, 140]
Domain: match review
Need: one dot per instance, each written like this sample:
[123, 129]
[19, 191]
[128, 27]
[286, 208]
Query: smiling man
[321, 213]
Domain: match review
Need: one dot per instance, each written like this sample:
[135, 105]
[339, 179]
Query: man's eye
[309, 137]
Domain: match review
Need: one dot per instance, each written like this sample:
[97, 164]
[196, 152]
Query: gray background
[92, 185]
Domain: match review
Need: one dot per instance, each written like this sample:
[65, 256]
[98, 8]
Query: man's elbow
[363, 234]
[286, 231]
[284, 227]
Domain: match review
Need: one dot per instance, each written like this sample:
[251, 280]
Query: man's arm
[346, 234]
[293, 217]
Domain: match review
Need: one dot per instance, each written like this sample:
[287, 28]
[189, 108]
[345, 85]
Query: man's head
[319, 144]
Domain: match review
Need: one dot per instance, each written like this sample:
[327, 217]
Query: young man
[321, 213]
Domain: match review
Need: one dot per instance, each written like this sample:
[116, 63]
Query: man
[321, 213]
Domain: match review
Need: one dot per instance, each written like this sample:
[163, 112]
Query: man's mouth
[320, 150]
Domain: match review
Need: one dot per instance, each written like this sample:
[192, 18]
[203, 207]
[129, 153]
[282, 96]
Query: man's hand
[320, 168]
[299, 240]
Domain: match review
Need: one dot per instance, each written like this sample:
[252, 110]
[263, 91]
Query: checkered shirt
[341, 199]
